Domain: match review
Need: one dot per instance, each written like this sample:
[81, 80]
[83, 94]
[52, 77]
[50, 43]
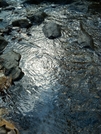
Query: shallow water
[60, 92]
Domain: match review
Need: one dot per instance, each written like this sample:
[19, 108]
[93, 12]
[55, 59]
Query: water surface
[60, 92]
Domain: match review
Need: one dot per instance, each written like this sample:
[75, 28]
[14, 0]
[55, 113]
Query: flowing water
[60, 92]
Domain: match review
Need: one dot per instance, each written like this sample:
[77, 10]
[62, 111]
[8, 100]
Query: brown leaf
[8, 126]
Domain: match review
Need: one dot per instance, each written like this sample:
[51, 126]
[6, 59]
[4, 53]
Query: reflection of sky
[40, 83]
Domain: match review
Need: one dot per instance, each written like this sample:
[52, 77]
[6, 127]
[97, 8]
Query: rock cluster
[10, 61]
[51, 30]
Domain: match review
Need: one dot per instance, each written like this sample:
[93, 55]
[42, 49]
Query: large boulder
[3, 43]
[52, 30]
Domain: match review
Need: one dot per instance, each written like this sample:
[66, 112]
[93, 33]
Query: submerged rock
[23, 23]
[85, 40]
[11, 64]
[3, 43]
[52, 30]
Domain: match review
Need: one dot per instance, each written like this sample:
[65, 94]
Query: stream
[60, 92]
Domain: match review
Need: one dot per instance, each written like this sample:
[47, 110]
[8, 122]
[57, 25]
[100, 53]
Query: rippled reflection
[60, 91]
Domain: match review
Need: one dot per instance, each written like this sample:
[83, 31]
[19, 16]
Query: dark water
[60, 92]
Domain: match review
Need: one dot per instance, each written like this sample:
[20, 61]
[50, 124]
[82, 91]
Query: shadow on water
[76, 122]
[59, 115]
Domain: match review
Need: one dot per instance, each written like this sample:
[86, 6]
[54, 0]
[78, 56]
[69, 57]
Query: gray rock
[11, 59]
[52, 30]
[23, 23]
[3, 43]
[85, 40]
[11, 63]
[16, 73]
[36, 17]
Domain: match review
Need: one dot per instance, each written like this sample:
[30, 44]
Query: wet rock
[3, 3]
[85, 40]
[11, 64]
[16, 73]
[52, 30]
[37, 17]
[3, 43]
[11, 59]
[6, 31]
[23, 23]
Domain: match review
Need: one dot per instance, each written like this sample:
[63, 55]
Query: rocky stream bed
[50, 67]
